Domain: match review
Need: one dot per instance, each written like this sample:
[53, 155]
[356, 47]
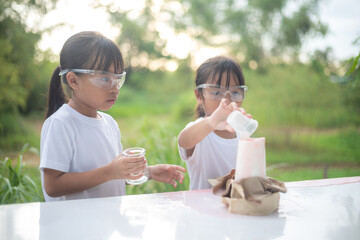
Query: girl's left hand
[167, 173]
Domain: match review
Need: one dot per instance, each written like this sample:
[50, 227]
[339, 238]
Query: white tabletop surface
[325, 209]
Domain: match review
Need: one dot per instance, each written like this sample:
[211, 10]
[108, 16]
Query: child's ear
[199, 97]
[72, 80]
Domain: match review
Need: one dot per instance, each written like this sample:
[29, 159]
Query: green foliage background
[309, 113]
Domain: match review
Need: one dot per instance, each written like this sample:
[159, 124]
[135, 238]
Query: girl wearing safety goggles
[208, 145]
[81, 151]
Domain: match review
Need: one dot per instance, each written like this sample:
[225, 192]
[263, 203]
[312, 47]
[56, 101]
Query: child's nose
[228, 95]
[114, 88]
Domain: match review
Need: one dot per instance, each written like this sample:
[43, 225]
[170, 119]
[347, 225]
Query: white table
[319, 209]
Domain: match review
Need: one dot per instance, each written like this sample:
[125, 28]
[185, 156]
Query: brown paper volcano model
[249, 196]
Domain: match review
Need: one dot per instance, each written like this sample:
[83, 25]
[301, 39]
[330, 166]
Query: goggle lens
[106, 81]
[100, 79]
[216, 92]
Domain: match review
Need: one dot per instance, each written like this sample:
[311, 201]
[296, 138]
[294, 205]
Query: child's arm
[192, 135]
[167, 173]
[59, 183]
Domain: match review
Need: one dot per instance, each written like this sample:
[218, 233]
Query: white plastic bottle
[243, 125]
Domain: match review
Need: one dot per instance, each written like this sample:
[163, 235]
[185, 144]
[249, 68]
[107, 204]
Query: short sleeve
[182, 151]
[56, 147]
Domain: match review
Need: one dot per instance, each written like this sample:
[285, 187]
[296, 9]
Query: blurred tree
[321, 59]
[354, 67]
[252, 31]
[18, 73]
[257, 29]
[139, 40]
[353, 77]
[345, 73]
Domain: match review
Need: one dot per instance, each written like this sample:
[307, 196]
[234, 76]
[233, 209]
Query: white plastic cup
[137, 152]
[243, 125]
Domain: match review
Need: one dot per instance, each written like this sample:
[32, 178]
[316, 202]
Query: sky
[342, 17]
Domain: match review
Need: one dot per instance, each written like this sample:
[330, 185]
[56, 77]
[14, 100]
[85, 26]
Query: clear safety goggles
[100, 79]
[216, 92]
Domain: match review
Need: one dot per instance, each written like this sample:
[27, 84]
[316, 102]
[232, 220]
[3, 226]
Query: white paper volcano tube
[251, 158]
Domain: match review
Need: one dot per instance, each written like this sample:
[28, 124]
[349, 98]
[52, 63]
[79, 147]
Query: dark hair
[211, 71]
[84, 50]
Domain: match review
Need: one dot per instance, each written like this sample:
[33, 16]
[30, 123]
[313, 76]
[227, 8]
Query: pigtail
[199, 111]
[56, 95]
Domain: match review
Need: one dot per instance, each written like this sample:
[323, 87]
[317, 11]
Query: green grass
[313, 146]
[16, 186]
[288, 173]
[161, 147]
[291, 155]
[294, 96]
[310, 131]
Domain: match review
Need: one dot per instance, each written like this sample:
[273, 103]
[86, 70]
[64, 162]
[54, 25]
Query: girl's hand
[218, 118]
[244, 112]
[123, 167]
[167, 173]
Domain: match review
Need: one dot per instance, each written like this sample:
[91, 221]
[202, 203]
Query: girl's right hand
[123, 167]
[218, 118]
[244, 112]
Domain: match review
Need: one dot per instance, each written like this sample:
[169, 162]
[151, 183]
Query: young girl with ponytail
[81, 151]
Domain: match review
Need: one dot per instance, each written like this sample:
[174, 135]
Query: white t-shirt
[72, 142]
[213, 157]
